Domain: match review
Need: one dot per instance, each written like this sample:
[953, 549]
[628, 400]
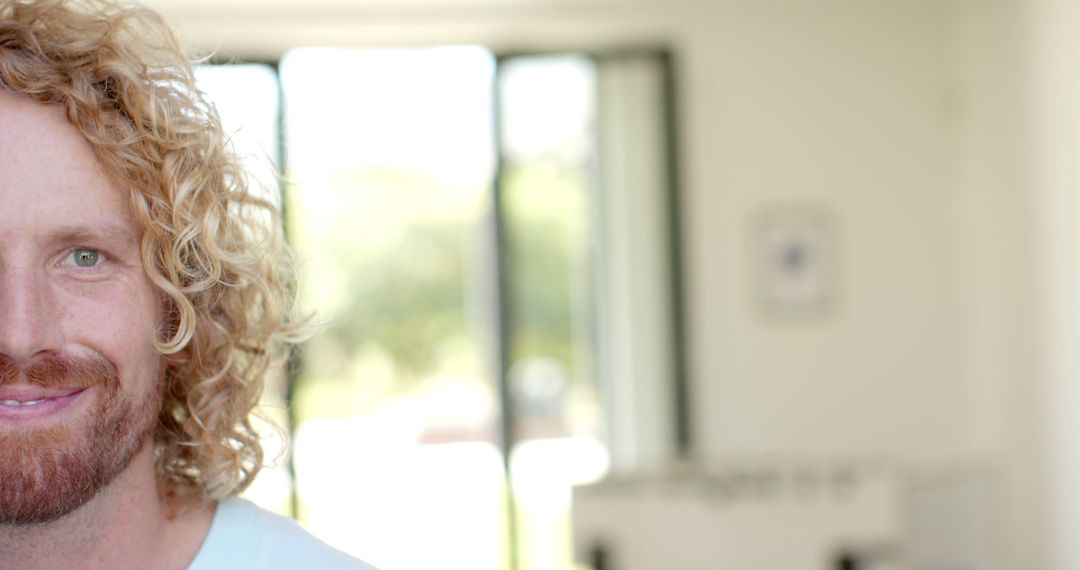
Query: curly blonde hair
[214, 249]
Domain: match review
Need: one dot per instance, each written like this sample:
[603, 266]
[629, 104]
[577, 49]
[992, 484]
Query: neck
[125, 526]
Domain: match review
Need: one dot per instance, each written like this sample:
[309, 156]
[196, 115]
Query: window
[488, 244]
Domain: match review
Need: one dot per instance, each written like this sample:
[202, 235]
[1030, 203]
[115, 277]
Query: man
[143, 295]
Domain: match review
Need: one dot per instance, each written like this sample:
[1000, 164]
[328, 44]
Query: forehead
[51, 177]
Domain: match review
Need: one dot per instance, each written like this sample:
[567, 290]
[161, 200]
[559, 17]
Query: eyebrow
[109, 232]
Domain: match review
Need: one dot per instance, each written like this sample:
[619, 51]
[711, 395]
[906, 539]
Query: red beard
[46, 473]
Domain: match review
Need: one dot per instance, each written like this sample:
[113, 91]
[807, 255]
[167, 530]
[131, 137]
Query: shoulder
[245, 537]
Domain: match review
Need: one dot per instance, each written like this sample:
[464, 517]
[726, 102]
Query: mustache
[57, 370]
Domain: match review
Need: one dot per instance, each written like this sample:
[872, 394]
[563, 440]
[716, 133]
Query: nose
[28, 314]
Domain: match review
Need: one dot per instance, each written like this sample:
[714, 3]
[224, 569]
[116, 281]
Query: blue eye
[85, 257]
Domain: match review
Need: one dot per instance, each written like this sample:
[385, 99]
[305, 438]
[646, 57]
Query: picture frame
[795, 261]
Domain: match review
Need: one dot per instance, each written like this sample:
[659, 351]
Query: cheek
[112, 309]
[117, 320]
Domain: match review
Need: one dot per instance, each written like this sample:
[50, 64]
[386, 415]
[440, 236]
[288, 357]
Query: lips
[22, 402]
[24, 393]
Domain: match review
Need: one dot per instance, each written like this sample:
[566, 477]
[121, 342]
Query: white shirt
[245, 537]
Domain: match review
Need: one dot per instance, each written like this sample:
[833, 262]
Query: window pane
[246, 97]
[390, 161]
[549, 184]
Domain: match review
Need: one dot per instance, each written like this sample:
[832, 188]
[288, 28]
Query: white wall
[845, 107]
[1018, 182]
[996, 211]
[1052, 98]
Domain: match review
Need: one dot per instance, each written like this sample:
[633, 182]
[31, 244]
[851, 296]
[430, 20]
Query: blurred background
[679, 284]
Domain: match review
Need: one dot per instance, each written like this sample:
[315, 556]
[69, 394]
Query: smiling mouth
[31, 406]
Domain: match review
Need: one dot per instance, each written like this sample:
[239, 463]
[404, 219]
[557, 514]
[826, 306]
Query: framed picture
[795, 260]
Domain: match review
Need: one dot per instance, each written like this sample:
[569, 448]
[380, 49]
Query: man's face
[79, 374]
